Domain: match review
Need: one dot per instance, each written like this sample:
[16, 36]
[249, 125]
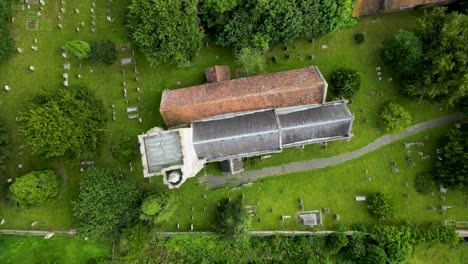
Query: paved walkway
[243, 177]
[36, 232]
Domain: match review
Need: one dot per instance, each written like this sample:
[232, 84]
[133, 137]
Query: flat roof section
[162, 151]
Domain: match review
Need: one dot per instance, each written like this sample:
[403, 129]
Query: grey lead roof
[315, 124]
[242, 135]
[163, 151]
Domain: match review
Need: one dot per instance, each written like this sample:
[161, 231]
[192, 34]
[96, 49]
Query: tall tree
[444, 73]
[397, 241]
[165, 30]
[6, 43]
[403, 52]
[451, 169]
[69, 120]
[232, 220]
[107, 202]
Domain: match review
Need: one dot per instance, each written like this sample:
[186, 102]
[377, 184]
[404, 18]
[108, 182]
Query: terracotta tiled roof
[272, 90]
[217, 74]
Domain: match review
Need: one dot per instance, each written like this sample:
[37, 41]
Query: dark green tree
[345, 81]
[375, 255]
[232, 220]
[452, 167]
[335, 241]
[395, 117]
[439, 233]
[397, 241]
[69, 120]
[381, 205]
[107, 202]
[35, 188]
[355, 250]
[125, 147]
[424, 182]
[104, 51]
[6, 43]
[403, 51]
[165, 30]
[135, 239]
[445, 63]
[158, 207]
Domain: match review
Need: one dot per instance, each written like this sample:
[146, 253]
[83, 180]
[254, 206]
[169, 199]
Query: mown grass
[439, 254]
[35, 249]
[334, 188]
[107, 83]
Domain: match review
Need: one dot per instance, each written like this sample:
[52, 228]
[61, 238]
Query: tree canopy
[167, 31]
[6, 43]
[158, 207]
[251, 61]
[35, 188]
[232, 220]
[69, 120]
[397, 241]
[345, 81]
[242, 23]
[104, 51]
[442, 74]
[403, 52]
[452, 167]
[395, 117]
[107, 202]
[335, 241]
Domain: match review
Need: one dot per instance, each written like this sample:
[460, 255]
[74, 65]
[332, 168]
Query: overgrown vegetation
[360, 37]
[35, 188]
[232, 220]
[424, 183]
[68, 121]
[158, 207]
[403, 52]
[79, 48]
[108, 201]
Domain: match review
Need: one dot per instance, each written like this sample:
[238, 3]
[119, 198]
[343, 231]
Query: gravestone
[2, 222]
[326, 210]
[406, 185]
[337, 217]
[66, 66]
[7, 88]
[368, 178]
[432, 208]
[442, 198]
[324, 46]
[34, 223]
[395, 170]
[32, 68]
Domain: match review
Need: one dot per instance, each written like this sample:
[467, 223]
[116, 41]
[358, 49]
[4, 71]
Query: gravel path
[243, 177]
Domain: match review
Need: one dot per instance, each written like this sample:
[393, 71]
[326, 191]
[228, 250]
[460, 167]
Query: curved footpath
[243, 177]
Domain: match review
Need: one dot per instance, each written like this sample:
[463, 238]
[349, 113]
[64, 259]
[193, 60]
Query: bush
[35, 188]
[424, 183]
[381, 205]
[345, 82]
[232, 220]
[360, 37]
[79, 48]
[397, 241]
[104, 51]
[375, 255]
[6, 44]
[396, 118]
[125, 148]
[439, 233]
[335, 241]
[4, 152]
[158, 207]
[251, 60]
[356, 248]
[403, 52]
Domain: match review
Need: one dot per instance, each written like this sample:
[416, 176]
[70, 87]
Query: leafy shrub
[4, 152]
[395, 117]
[125, 147]
[232, 220]
[104, 51]
[251, 60]
[79, 48]
[356, 248]
[375, 255]
[345, 82]
[403, 52]
[6, 44]
[35, 188]
[439, 233]
[360, 37]
[424, 183]
[335, 241]
[397, 241]
[158, 207]
[381, 205]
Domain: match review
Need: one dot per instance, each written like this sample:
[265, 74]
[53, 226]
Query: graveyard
[130, 90]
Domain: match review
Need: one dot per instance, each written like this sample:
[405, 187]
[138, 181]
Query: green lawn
[334, 188]
[107, 82]
[35, 249]
[439, 254]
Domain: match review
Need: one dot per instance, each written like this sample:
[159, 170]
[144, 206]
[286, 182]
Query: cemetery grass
[58, 249]
[333, 188]
[439, 254]
[106, 81]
